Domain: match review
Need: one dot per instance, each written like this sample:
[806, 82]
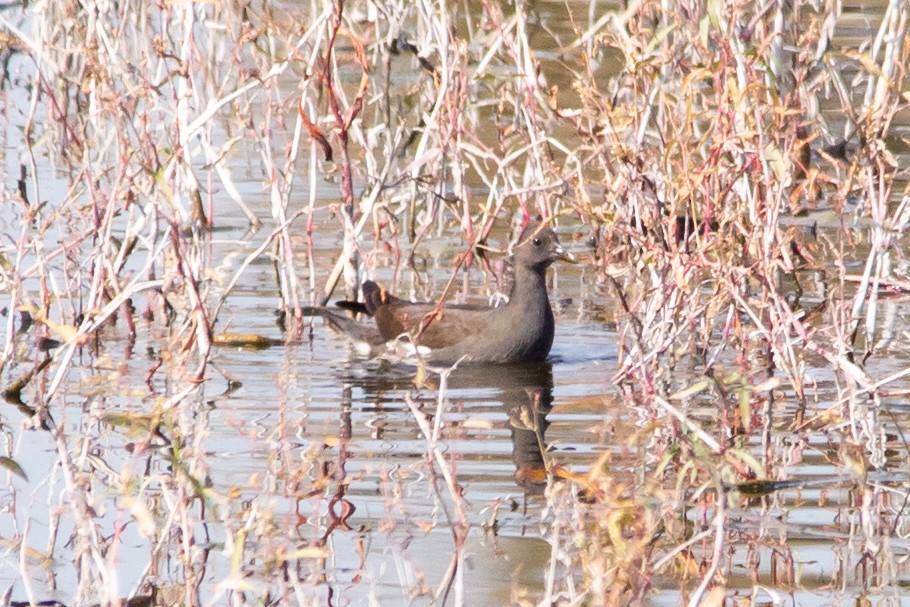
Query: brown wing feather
[395, 316]
[455, 325]
[452, 325]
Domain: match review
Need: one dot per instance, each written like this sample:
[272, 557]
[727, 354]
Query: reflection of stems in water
[720, 536]
[339, 498]
[457, 521]
[13, 394]
[541, 403]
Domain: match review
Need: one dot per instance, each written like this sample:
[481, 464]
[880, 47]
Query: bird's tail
[374, 296]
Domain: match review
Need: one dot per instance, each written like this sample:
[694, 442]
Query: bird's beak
[561, 253]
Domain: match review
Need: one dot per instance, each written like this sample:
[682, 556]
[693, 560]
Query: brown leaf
[316, 134]
[13, 466]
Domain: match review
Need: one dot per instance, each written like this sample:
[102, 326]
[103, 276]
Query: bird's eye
[537, 242]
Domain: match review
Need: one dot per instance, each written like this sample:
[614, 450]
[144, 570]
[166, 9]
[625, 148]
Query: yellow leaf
[691, 390]
[65, 333]
[776, 161]
[244, 340]
[310, 552]
[477, 423]
[144, 518]
[767, 385]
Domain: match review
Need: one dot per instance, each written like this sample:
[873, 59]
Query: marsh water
[333, 456]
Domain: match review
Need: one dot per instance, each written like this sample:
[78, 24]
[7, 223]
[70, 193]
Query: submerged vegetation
[735, 179]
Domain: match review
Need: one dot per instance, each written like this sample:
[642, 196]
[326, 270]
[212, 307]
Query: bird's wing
[451, 325]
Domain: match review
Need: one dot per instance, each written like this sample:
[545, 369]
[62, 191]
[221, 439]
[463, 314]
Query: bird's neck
[526, 286]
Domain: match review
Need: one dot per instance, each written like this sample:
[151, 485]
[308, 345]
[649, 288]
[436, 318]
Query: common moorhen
[516, 332]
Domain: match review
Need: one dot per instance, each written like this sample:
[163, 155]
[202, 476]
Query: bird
[519, 331]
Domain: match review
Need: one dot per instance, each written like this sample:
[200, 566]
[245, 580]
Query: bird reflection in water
[528, 399]
[525, 392]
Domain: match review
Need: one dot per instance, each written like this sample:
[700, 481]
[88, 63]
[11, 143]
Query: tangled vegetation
[735, 173]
